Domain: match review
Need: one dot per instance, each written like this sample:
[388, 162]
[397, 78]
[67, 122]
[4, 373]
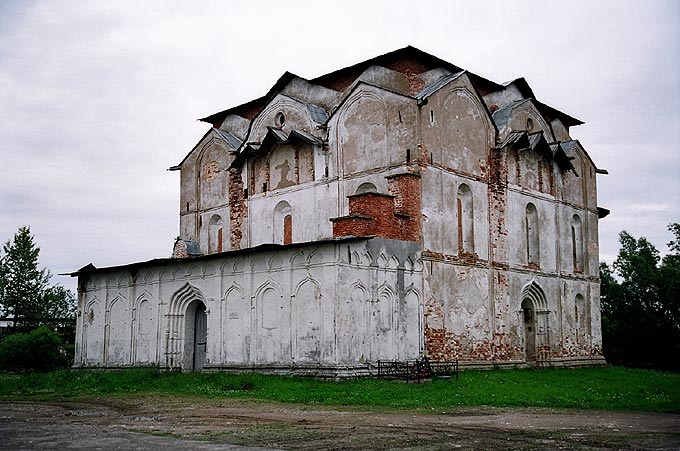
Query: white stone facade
[305, 307]
[478, 214]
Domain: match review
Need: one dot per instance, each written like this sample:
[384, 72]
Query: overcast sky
[99, 98]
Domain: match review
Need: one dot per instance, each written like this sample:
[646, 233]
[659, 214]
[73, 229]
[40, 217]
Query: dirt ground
[174, 423]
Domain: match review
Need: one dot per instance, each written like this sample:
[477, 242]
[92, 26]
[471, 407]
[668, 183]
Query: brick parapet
[395, 216]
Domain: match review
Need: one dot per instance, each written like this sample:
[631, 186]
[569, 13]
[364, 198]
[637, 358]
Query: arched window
[215, 234]
[465, 219]
[577, 243]
[580, 318]
[366, 187]
[283, 223]
[531, 234]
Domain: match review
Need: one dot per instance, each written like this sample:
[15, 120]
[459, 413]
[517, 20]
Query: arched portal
[195, 335]
[186, 315]
[534, 320]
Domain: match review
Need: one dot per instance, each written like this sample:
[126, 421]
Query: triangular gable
[502, 116]
[227, 137]
[435, 86]
[250, 109]
[537, 142]
[354, 89]
[549, 112]
[314, 112]
[272, 138]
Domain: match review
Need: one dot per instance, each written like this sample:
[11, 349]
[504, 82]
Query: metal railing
[417, 370]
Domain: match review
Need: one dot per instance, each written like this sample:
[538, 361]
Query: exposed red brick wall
[408, 65]
[395, 216]
[498, 204]
[353, 225]
[238, 209]
[287, 229]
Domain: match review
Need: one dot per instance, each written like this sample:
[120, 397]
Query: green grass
[611, 388]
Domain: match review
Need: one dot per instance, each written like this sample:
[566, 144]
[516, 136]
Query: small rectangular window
[264, 187]
[245, 193]
[408, 155]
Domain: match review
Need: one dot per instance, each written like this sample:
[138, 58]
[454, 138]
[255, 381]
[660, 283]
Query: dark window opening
[408, 155]
[245, 193]
[264, 187]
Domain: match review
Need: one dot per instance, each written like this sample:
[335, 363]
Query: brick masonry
[394, 216]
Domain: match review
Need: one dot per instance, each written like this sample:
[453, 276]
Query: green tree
[39, 350]
[641, 312]
[25, 294]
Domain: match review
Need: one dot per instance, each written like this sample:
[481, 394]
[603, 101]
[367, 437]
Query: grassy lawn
[611, 388]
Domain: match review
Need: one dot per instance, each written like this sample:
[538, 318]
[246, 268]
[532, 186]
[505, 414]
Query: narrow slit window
[532, 234]
[465, 212]
[577, 243]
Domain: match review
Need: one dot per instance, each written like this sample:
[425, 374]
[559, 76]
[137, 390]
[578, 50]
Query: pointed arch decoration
[352, 347]
[93, 332]
[534, 315]
[143, 327]
[237, 323]
[179, 303]
[535, 293]
[308, 321]
[117, 344]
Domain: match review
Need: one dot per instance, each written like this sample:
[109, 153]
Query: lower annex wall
[334, 305]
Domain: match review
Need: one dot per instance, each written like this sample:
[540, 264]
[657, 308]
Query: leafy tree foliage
[40, 350]
[641, 304]
[25, 294]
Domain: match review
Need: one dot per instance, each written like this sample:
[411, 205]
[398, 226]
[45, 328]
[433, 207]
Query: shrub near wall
[40, 350]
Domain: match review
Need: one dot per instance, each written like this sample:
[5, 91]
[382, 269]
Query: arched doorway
[529, 323]
[195, 336]
[534, 320]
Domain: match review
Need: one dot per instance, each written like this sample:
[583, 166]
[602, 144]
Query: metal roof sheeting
[435, 86]
[318, 114]
[229, 138]
[502, 115]
[537, 143]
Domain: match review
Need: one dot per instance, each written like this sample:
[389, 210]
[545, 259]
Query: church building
[397, 208]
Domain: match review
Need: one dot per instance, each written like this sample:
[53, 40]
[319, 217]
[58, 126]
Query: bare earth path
[175, 423]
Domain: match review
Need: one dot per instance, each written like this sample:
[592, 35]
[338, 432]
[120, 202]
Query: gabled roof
[229, 138]
[250, 109]
[435, 86]
[502, 115]
[407, 60]
[273, 137]
[536, 142]
[526, 91]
